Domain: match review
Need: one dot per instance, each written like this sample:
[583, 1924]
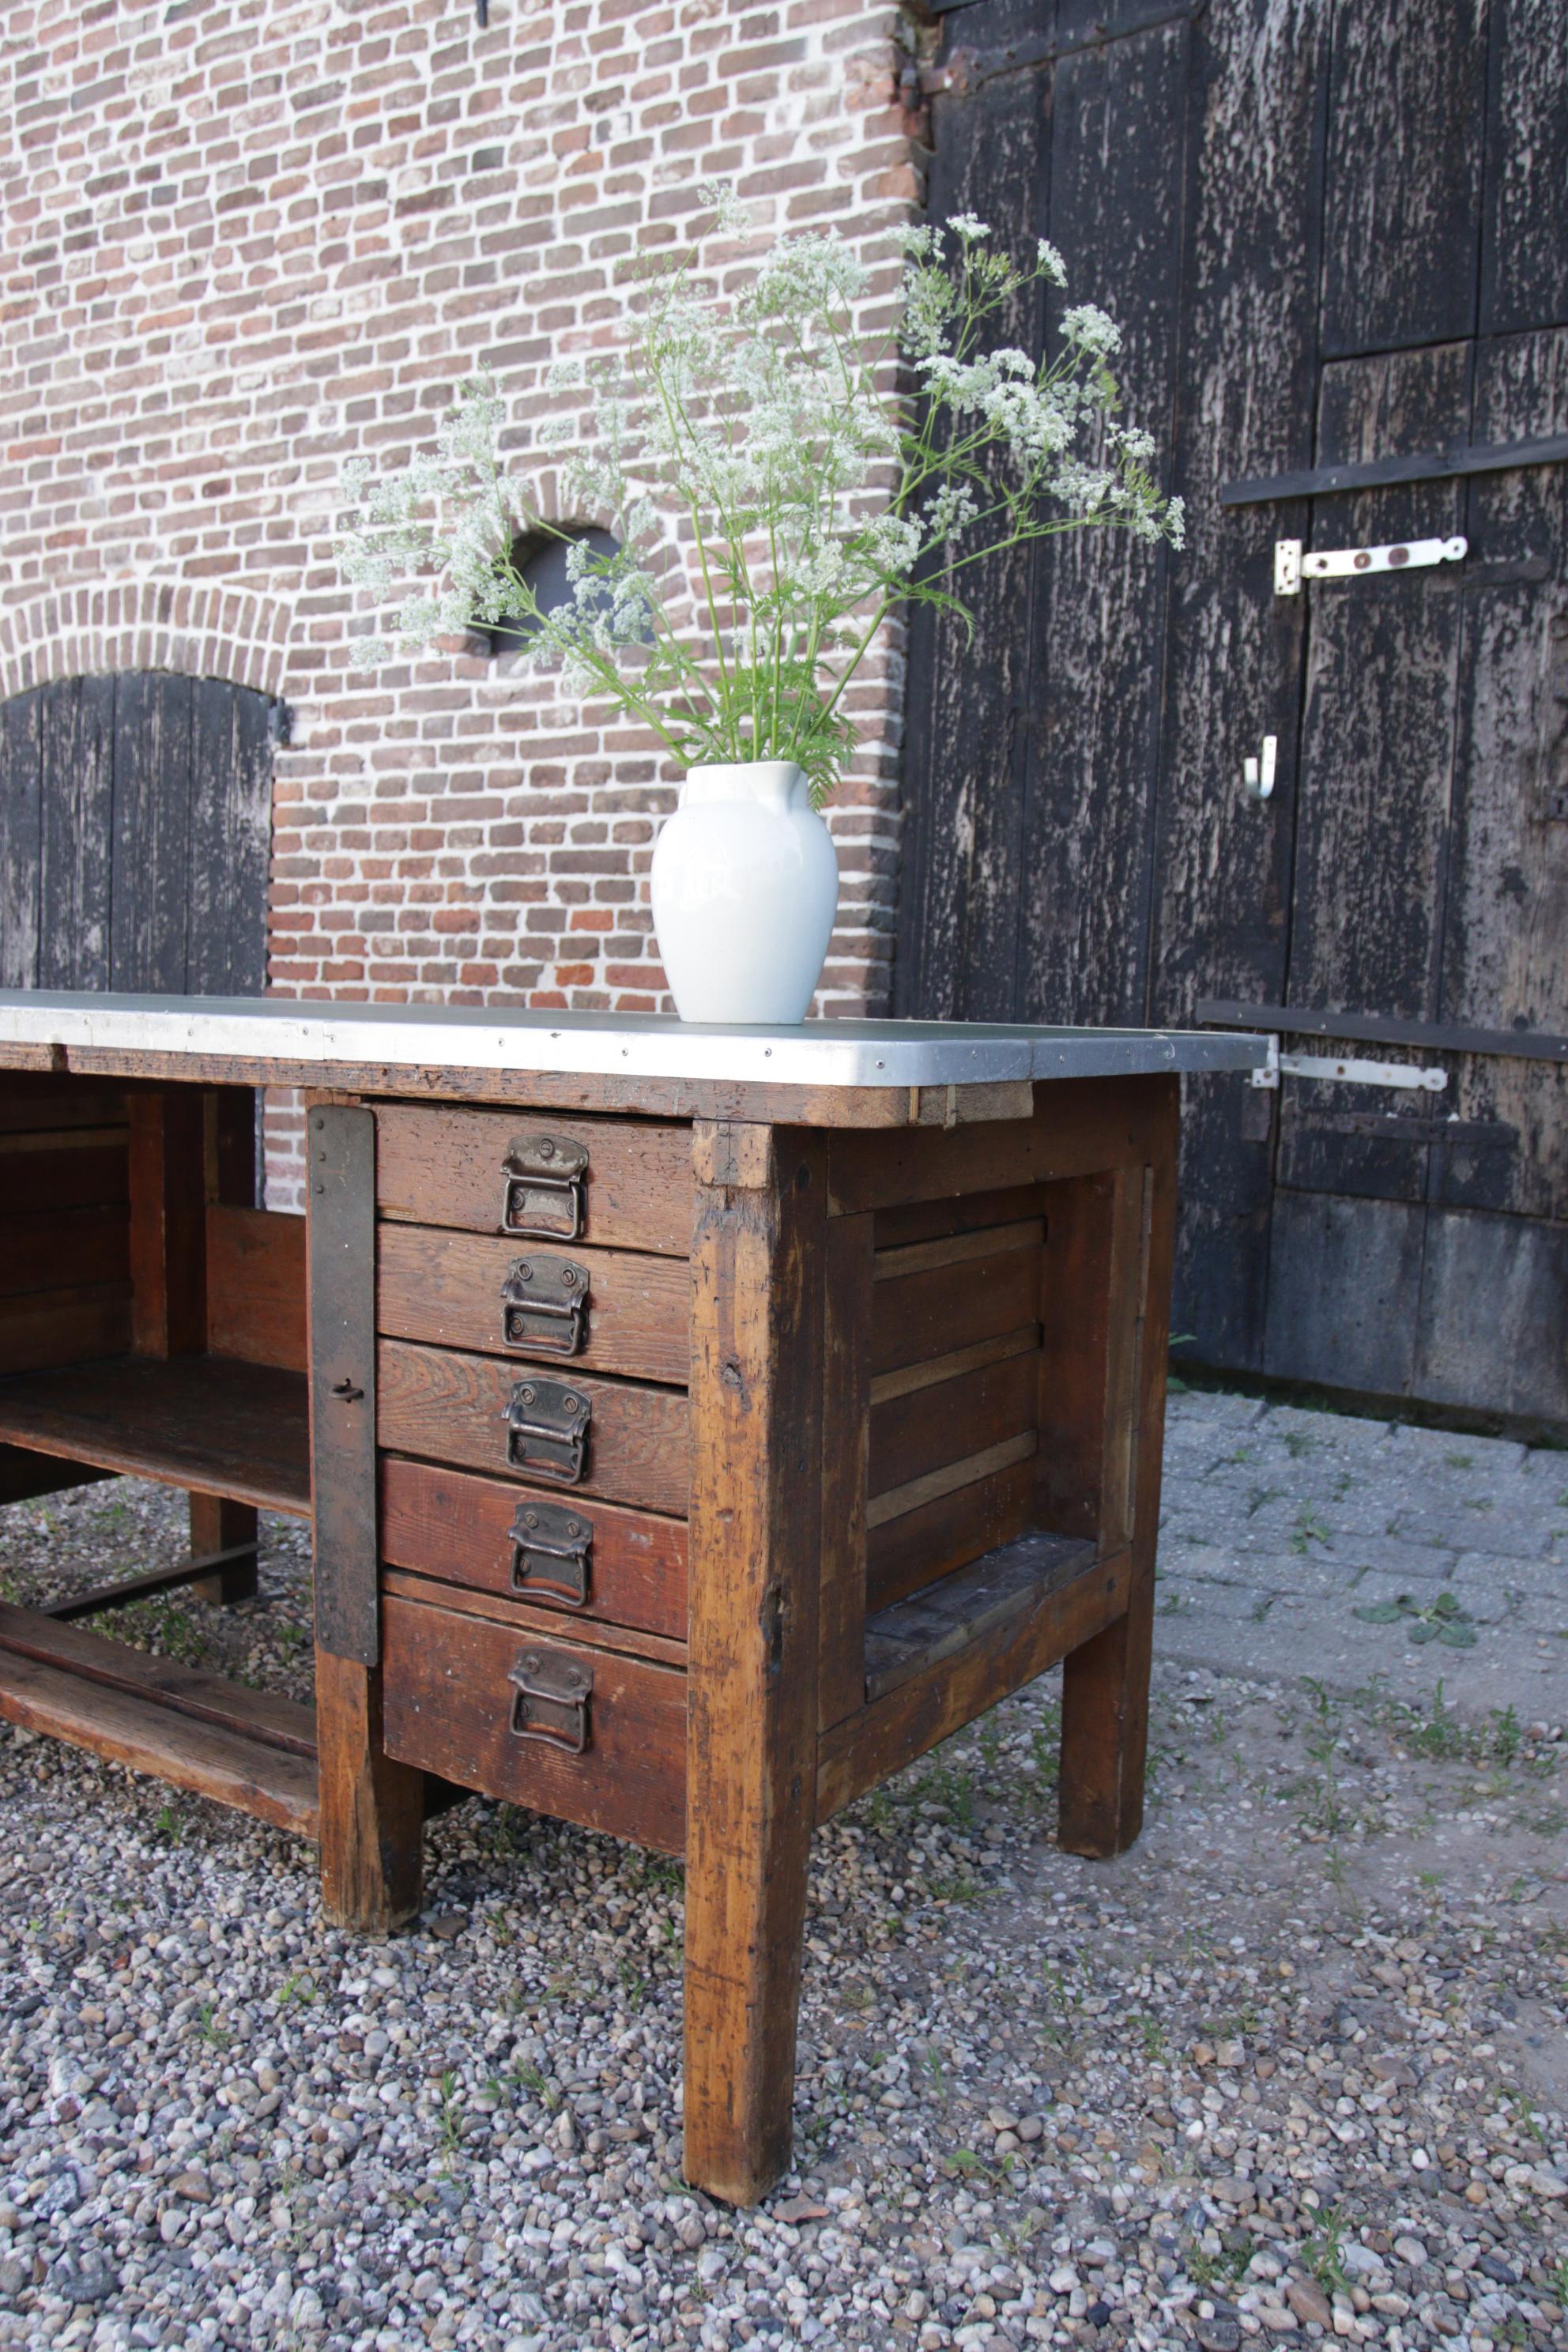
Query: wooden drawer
[614, 1310]
[452, 1408]
[446, 1523]
[448, 1168]
[589, 1734]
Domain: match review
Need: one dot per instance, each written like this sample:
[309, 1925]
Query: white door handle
[1257, 776]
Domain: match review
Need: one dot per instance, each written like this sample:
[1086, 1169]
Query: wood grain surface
[446, 1288]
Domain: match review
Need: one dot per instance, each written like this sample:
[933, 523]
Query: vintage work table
[697, 1425]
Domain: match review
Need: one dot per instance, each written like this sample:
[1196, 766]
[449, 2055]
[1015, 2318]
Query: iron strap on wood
[1378, 473]
[339, 1149]
[1384, 1029]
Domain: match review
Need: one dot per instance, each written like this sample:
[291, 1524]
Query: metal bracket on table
[1346, 1073]
[1291, 567]
[543, 1187]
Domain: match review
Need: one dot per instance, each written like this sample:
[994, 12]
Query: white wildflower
[965, 225]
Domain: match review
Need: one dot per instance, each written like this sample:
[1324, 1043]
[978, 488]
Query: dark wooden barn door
[1336, 236]
[135, 816]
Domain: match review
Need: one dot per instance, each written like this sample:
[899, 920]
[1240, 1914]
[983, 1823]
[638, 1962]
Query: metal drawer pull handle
[552, 1702]
[551, 1552]
[543, 1302]
[543, 1187]
[547, 1431]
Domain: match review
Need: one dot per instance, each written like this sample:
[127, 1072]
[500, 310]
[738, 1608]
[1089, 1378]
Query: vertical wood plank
[1097, 652]
[152, 846]
[1524, 240]
[231, 809]
[21, 719]
[1403, 195]
[846, 1449]
[1247, 381]
[1105, 1684]
[371, 1810]
[219, 1525]
[340, 1150]
[78, 776]
[755, 1530]
[168, 1222]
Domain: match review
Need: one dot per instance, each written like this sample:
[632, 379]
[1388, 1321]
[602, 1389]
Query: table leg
[371, 1810]
[219, 1525]
[1126, 1252]
[752, 1704]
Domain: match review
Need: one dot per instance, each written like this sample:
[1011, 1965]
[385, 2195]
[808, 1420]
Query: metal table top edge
[313, 1032]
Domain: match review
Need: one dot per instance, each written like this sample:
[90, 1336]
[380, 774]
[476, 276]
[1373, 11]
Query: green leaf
[1385, 1612]
[1458, 1637]
[1422, 1631]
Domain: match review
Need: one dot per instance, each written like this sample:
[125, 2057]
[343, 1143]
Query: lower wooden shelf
[212, 1424]
[247, 1748]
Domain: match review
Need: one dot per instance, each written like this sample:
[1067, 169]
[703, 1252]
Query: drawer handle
[543, 1302]
[543, 1187]
[547, 1431]
[552, 1702]
[552, 1551]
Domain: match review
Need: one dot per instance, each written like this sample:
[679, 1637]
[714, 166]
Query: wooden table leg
[1118, 1233]
[751, 1706]
[371, 1810]
[218, 1524]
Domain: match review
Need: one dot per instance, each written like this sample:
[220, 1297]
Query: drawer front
[629, 1566]
[590, 1735]
[636, 1446]
[611, 1310]
[634, 1191]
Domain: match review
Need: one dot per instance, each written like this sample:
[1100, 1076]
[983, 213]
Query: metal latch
[1291, 567]
[552, 1702]
[1349, 1073]
[543, 1194]
[543, 1301]
[550, 1551]
[547, 1431]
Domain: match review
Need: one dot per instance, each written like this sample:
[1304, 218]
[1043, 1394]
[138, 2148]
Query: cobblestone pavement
[1298, 1542]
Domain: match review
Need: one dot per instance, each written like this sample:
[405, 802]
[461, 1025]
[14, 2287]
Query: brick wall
[246, 240]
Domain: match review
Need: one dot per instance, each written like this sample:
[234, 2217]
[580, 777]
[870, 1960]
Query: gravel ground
[1293, 2068]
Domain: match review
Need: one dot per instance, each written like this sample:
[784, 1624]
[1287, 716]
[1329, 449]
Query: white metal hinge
[1291, 567]
[1346, 1074]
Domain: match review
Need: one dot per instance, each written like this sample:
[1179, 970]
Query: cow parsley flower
[775, 481]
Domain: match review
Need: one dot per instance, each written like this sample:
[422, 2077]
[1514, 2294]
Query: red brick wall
[246, 240]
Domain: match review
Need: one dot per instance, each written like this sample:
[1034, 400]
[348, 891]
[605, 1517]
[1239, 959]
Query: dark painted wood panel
[77, 748]
[20, 836]
[1505, 931]
[231, 822]
[1403, 195]
[1524, 242]
[962, 880]
[1344, 1289]
[1377, 757]
[1094, 698]
[1254, 195]
[150, 914]
[1493, 1313]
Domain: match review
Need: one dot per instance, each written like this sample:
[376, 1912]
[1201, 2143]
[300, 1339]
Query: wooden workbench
[697, 1427]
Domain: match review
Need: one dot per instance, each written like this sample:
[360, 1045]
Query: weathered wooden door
[135, 816]
[1337, 237]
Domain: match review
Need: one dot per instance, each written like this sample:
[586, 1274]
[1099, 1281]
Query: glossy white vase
[745, 889]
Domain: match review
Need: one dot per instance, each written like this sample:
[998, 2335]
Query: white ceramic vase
[745, 889]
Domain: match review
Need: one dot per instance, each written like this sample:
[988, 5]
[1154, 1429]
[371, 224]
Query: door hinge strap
[1329, 1068]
